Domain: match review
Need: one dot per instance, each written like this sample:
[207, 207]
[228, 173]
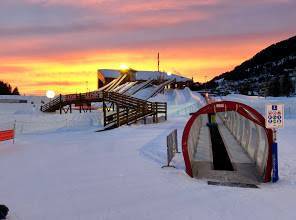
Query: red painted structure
[223, 106]
[7, 135]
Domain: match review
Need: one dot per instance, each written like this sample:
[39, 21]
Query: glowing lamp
[123, 66]
[50, 94]
[169, 73]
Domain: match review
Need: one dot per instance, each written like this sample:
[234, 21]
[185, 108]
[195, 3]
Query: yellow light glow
[50, 94]
[123, 66]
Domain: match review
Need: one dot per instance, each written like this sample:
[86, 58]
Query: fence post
[14, 128]
[117, 114]
[60, 104]
[127, 118]
[166, 111]
[153, 110]
[80, 103]
[104, 111]
[156, 112]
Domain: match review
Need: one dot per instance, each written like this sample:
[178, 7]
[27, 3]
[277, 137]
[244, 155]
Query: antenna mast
[158, 61]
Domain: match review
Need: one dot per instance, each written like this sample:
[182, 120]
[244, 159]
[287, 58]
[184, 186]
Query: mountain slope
[273, 63]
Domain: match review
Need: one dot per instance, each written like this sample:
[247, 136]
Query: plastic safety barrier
[6, 135]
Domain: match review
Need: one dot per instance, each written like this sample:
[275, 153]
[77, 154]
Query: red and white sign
[274, 116]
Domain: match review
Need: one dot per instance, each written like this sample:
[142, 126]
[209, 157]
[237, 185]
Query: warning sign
[274, 116]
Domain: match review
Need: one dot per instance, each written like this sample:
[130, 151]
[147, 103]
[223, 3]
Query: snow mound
[258, 102]
[27, 118]
[31, 106]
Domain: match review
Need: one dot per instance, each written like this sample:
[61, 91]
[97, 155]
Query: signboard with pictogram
[274, 119]
[274, 115]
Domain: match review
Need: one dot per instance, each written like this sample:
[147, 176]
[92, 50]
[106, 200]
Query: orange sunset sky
[60, 44]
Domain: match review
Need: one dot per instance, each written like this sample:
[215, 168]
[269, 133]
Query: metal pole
[275, 174]
[14, 128]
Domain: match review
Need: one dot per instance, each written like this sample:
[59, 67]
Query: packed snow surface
[76, 173]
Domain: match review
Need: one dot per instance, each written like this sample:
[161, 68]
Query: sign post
[274, 120]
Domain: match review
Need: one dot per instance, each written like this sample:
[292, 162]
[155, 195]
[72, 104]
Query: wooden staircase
[128, 110]
[67, 100]
[118, 109]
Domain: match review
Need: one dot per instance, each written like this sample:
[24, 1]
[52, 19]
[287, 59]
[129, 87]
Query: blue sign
[274, 107]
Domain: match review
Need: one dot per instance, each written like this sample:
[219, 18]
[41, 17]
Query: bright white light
[50, 94]
[169, 73]
[123, 66]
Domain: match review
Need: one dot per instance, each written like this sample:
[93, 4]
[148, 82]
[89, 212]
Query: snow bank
[33, 104]
[50, 122]
[27, 118]
[259, 103]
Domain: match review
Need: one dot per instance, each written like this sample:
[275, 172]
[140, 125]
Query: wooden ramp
[160, 88]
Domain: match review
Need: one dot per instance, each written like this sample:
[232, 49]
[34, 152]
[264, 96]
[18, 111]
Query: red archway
[224, 106]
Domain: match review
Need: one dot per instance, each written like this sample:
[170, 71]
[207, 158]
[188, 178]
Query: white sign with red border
[274, 116]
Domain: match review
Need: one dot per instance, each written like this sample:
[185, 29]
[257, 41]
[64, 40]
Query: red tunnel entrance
[232, 113]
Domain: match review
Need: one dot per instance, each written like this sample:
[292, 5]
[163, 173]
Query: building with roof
[105, 76]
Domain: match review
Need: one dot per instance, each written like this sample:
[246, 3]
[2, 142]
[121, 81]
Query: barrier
[7, 135]
[172, 147]
[6, 132]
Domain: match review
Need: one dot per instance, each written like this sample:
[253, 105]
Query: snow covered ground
[259, 102]
[28, 119]
[75, 174]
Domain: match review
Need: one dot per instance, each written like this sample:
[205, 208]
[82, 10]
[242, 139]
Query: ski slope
[75, 173]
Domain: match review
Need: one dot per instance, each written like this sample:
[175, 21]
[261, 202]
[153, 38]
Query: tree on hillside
[15, 91]
[6, 89]
[287, 86]
[274, 87]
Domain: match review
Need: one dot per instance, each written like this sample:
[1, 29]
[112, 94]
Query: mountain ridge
[256, 75]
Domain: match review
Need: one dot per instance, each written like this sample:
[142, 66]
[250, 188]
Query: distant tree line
[6, 89]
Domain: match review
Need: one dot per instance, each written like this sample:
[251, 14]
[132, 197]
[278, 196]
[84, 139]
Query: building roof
[145, 75]
[110, 73]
